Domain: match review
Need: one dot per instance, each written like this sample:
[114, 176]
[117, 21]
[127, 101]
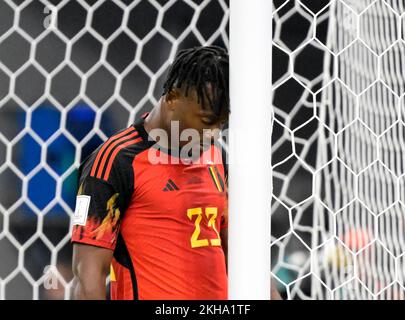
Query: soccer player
[159, 230]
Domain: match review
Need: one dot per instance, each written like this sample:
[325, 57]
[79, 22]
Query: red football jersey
[161, 220]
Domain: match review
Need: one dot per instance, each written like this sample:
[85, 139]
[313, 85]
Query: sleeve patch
[82, 210]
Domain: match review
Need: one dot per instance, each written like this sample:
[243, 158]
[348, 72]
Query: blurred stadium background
[66, 87]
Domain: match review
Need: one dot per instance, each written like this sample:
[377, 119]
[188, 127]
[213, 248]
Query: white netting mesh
[338, 136]
[340, 188]
[63, 90]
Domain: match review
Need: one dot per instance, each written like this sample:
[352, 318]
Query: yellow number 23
[211, 214]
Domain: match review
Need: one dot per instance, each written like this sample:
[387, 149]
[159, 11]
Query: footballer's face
[188, 113]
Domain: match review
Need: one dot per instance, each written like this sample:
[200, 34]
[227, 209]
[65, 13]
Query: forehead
[193, 102]
[198, 107]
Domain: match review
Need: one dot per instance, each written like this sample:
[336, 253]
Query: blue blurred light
[28, 146]
[61, 154]
[45, 121]
[41, 189]
[80, 121]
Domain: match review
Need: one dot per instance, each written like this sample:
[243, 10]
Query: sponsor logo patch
[82, 210]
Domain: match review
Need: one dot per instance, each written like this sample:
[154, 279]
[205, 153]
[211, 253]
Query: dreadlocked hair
[205, 69]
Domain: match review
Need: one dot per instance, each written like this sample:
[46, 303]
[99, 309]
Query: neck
[154, 120]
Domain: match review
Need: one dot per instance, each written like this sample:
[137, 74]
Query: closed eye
[209, 121]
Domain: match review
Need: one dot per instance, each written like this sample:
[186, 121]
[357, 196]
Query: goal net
[74, 72]
[338, 149]
[71, 74]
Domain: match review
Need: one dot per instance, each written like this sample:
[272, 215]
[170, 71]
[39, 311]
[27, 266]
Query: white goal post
[317, 172]
[250, 149]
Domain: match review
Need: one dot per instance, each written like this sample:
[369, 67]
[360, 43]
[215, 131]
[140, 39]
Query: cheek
[187, 123]
[179, 124]
[190, 126]
[193, 127]
[176, 119]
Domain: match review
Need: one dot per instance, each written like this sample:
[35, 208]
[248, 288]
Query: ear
[171, 97]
